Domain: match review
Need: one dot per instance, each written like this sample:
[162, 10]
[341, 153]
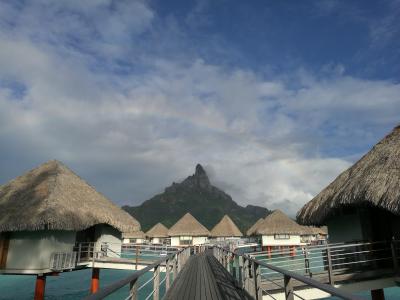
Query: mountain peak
[200, 177]
[200, 170]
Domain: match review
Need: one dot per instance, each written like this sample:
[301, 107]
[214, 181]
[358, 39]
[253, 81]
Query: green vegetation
[196, 195]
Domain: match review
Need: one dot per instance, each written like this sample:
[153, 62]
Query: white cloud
[133, 134]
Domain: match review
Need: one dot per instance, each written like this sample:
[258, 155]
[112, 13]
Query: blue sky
[274, 98]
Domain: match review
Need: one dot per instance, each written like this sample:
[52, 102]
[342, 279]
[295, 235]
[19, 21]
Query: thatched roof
[252, 229]
[278, 223]
[188, 225]
[313, 230]
[158, 231]
[374, 180]
[226, 228]
[134, 235]
[53, 197]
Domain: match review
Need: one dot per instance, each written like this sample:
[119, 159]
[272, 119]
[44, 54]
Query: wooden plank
[203, 278]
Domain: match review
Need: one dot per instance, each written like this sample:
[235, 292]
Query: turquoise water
[70, 285]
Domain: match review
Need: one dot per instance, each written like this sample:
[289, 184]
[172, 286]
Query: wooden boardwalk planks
[204, 278]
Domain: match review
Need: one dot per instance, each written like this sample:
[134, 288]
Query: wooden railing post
[394, 256]
[133, 288]
[174, 267]
[156, 283]
[234, 268]
[330, 271]
[245, 274]
[167, 274]
[257, 281]
[79, 252]
[240, 279]
[306, 260]
[288, 287]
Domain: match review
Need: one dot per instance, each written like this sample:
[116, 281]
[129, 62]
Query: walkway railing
[334, 263]
[247, 272]
[172, 264]
[136, 253]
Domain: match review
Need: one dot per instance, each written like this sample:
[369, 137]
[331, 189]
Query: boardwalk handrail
[178, 260]
[251, 265]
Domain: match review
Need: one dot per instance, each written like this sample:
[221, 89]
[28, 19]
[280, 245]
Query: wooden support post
[40, 287]
[156, 283]
[293, 251]
[288, 288]
[133, 287]
[394, 257]
[330, 270]
[167, 274]
[378, 294]
[94, 285]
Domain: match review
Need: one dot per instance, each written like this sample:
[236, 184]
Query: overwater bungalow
[278, 231]
[136, 237]
[252, 230]
[47, 211]
[225, 229]
[362, 203]
[188, 231]
[158, 234]
[314, 235]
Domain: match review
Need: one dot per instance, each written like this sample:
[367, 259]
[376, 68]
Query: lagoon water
[67, 286]
[75, 285]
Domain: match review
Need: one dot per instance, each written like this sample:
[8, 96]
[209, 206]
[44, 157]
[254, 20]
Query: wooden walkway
[204, 278]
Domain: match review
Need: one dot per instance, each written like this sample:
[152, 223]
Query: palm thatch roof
[314, 230]
[278, 223]
[134, 235]
[226, 228]
[158, 231]
[52, 197]
[188, 226]
[253, 228]
[374, 180]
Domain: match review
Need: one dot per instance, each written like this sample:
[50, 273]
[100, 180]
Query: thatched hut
[252, 230]
[48, 210]
[188, 231]
[362, 203]
[225, 229]
[314, 235]
[278, 230]
[158, 234]
[136, 237]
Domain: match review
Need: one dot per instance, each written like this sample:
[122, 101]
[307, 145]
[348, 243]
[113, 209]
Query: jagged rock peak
[200, 170]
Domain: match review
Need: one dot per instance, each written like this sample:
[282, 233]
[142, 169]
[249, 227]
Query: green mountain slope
[198, 196]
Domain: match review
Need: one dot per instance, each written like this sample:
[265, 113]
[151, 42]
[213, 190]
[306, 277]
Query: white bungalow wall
[30, 251]
[269, 240]
[199, 240]
[175, 241]
[196, 240]
[105, 234]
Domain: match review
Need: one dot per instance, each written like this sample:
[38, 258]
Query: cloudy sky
[274, 98]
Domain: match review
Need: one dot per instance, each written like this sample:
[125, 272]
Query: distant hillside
[198, 196]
